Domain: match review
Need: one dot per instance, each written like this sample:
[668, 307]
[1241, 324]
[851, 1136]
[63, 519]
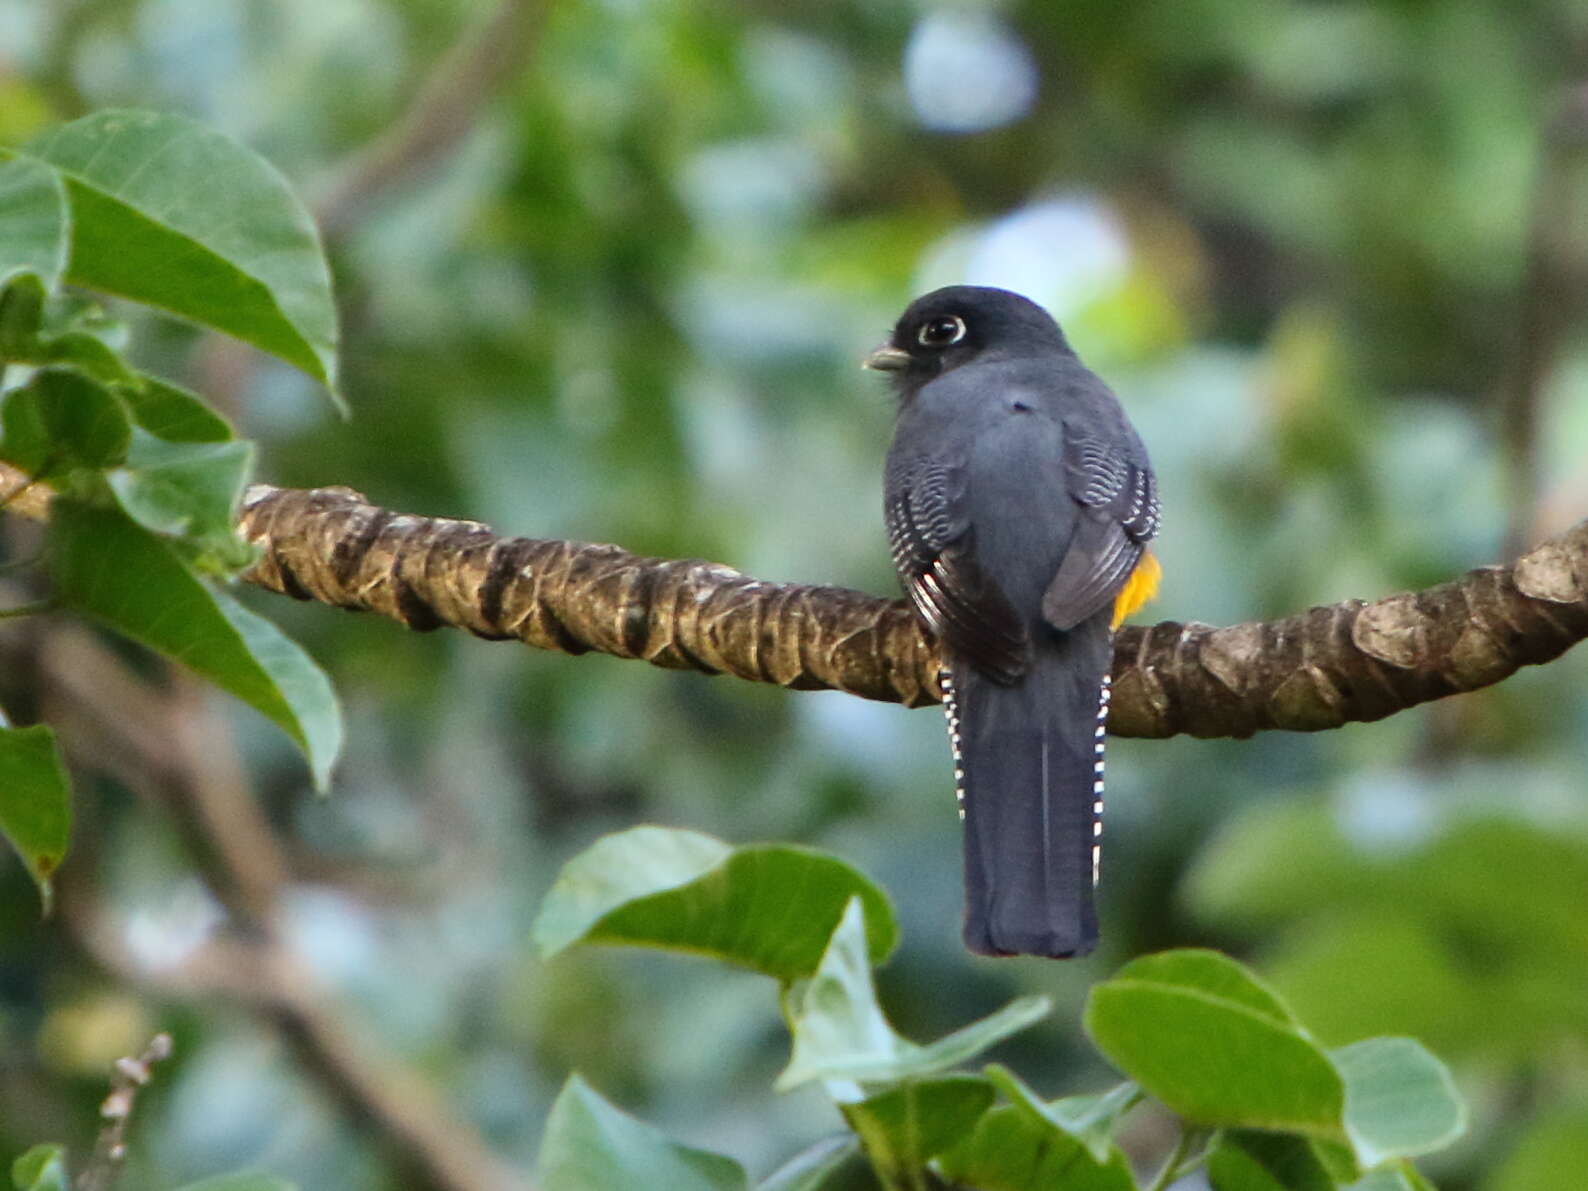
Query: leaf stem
[32, 608]
[1172, 1167]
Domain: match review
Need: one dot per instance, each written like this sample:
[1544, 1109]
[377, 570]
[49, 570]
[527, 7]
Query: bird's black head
[952, 326]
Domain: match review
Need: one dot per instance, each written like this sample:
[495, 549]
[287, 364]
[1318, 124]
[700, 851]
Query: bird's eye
[941, 332]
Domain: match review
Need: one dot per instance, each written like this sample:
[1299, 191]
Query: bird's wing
[934, 551]
[1119, 514]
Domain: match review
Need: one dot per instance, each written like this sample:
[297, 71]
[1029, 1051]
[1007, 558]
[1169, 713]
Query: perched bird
[1019, 502]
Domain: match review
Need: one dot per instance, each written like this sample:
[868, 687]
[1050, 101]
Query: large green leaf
[173, 214]
[112, 569]
[34, 224]
[60, 420]
[589, 1145]
[1011, 1150]
[1214, 1048]
[767, 907]
[43, 1168]
[841, 1034]
[1399, 1100]
[35, 801]
[911, 1123]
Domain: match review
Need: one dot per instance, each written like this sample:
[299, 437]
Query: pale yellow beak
[887, 359]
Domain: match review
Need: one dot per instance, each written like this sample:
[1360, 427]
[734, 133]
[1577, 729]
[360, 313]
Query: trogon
[1019, 502]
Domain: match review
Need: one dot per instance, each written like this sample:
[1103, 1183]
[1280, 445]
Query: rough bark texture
[1318, 669]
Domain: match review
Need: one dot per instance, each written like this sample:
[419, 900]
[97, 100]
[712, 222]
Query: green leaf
[112, 569]
[35, 802]
[88, 354]
[1213, 1047]
[60, 420]
[1250, 1161]
[242, 1181]
[1399, 1100]
[1010, 1150]
[1093, 1119]
[43, 1168]
[34, 224]
[1549, 1154]
[173, 214]
[1088, 1119]
[21, 317]
[809, 1169]
[836, 1021]
[841, 1034]
[767, 907]
[1338, 1159]
[908, 1125]
[589, 1145]
[170, 412]
[1210, 972]
[184, 490]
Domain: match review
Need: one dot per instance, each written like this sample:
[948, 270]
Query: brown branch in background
[70, 22]
[20, 493]
[436, 122]
[1552, 274]
[440, 115]
[1322, 668]
[169, 746]
[129, 1077]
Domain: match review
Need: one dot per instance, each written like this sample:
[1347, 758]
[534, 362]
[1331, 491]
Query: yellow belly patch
[1139, 588]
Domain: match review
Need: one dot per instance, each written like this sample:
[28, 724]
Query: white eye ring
[943, 331]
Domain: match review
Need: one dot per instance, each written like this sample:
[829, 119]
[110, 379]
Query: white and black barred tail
[1028, 762]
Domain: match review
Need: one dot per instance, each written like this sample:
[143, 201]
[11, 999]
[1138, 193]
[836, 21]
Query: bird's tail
[1029, 769]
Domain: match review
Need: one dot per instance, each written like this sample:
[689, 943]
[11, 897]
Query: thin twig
[441, 113]
[130, 1076]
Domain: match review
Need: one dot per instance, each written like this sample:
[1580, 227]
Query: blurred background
[607, 270]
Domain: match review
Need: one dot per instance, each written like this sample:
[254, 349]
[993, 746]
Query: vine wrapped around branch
[1327, 666]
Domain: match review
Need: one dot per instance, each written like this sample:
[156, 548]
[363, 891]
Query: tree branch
[1318, 669]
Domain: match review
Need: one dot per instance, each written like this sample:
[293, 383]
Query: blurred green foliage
[628, 306]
